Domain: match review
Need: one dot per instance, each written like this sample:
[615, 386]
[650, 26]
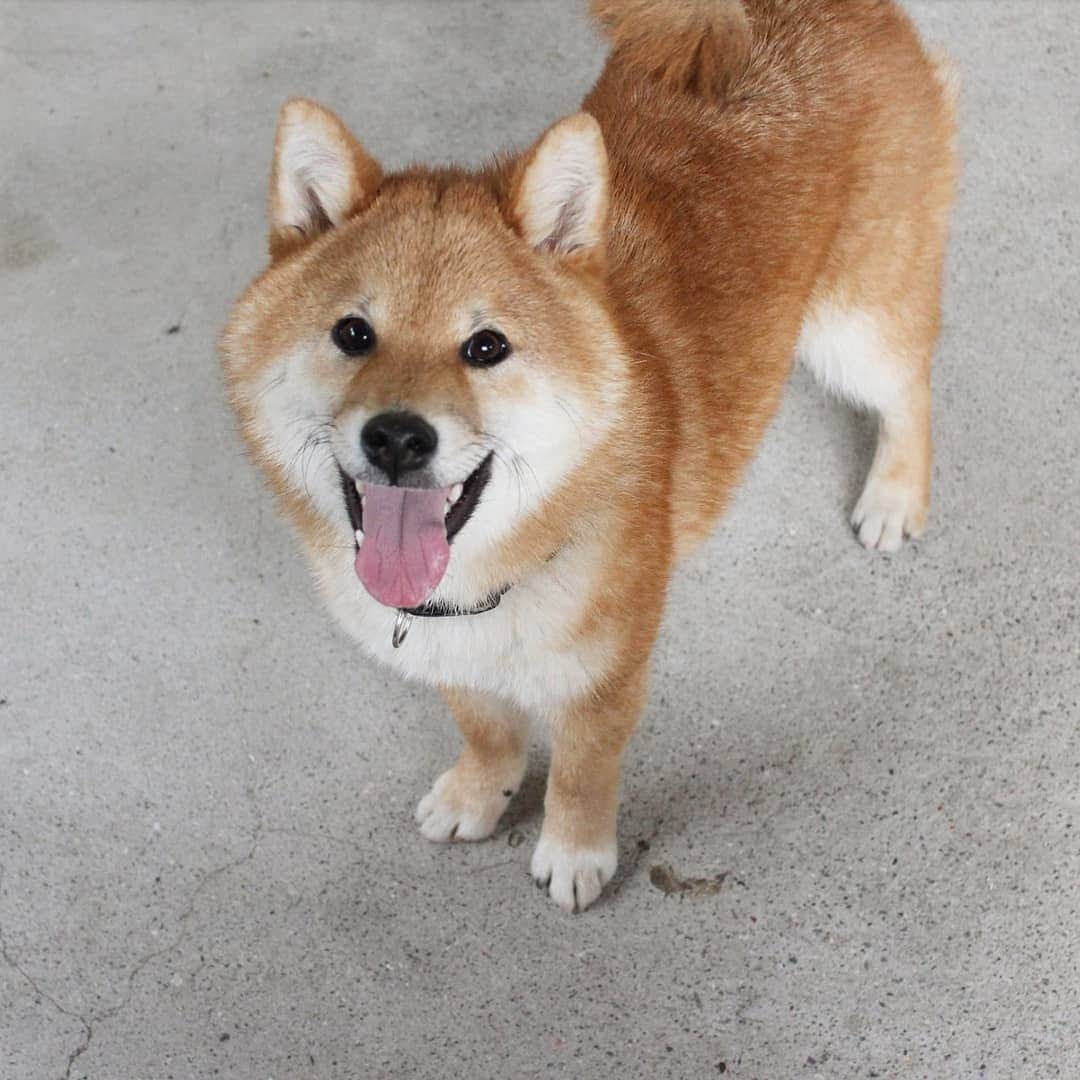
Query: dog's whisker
[272, 385]
[572, 414]
[517, 465]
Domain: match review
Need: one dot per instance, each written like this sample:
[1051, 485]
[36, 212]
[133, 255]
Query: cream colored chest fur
[525, 650]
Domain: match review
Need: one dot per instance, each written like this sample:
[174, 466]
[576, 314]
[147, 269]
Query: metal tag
[402, 625]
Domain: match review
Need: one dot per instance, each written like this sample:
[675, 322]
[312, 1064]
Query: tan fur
[700, 46]
[775, 171]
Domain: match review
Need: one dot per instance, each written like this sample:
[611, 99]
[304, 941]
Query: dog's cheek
[291, 426]
[543, 432]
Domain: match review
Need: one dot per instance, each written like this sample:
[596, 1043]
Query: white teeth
[455, 494]
[359, 536]
[359, 484]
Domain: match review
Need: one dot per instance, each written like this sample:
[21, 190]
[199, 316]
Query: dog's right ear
[321, 175]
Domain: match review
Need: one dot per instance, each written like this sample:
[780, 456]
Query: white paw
[886, 513]
[574, 877]
[456, 810]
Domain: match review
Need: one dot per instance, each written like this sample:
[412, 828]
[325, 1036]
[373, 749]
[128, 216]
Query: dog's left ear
[321, 175]
[559, 199]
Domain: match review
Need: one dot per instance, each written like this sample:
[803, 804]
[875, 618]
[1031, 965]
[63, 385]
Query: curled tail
[698, 46]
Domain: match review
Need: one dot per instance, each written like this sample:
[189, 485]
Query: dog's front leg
[577, 853]
[467, 801]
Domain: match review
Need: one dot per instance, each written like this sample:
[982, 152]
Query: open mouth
[403, 535]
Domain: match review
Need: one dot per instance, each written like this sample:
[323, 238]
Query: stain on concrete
[664, 878]
[26, 239]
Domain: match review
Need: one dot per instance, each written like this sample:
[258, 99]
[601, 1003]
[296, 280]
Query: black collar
[440, 608]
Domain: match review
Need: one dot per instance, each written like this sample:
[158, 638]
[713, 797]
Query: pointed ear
[559, 201]
[321, 175]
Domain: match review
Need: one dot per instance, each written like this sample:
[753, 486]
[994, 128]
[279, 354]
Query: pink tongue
[405, 551]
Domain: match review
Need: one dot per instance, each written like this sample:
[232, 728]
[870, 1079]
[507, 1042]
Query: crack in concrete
[325, 838]
[43, 995]
[188, 911]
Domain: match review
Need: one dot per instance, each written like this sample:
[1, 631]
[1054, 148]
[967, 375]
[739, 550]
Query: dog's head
[428, 360]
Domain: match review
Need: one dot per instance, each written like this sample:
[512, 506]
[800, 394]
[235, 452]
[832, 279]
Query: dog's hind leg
[862, 356]
[872, 322]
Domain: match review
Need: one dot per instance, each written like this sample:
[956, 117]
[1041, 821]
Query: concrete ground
[208, 861]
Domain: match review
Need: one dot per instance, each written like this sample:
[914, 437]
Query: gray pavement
[208, 866]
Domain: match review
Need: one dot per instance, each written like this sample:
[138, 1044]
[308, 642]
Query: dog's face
[428, 358]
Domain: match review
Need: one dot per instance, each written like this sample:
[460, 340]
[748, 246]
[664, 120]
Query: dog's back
[777, 169]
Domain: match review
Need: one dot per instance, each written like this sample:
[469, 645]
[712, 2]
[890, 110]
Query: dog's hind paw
[887, 513]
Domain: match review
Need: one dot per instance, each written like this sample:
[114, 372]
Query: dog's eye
[354, 336]
[484, 348]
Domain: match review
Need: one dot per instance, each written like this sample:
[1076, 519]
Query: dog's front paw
[574, 877]
[463, 805]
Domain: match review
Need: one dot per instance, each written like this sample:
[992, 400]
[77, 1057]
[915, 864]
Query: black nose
[398, 442]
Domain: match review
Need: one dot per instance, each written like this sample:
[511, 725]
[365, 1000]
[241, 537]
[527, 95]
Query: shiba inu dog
[499, 405]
